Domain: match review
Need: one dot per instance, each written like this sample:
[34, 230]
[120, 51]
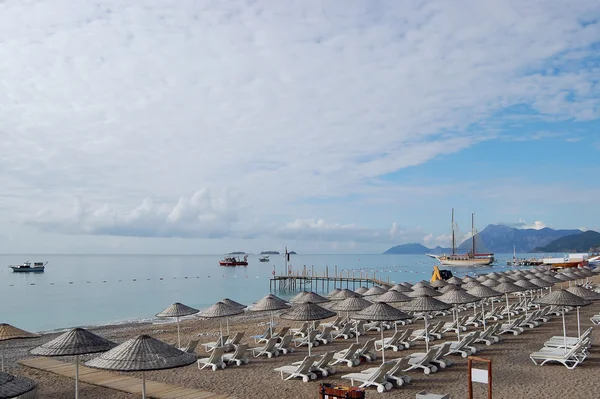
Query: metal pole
[76, 376]
[143, 385]
[178, 337]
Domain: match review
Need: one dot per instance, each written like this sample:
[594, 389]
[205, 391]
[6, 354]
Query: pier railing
[306, 279]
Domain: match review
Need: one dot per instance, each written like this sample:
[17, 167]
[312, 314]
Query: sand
[514, 374]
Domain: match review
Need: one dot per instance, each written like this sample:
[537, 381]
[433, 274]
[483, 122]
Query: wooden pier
[307, 280]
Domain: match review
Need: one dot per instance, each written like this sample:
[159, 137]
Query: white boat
[470, 259]
[264, 258]
[26, 267]
[569, 260]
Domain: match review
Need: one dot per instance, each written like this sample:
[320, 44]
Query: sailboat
[470, 259]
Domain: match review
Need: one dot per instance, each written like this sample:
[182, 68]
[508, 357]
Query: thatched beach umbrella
[343, 294]
[508, 288]
[12, 386]
[421, 284]
[375, 290]
[406, 284]
[270, 304]
[400, 288]
[562, 298]
[457, 297]
[439, 284]
[361, 290]
[490, 282]
[233, 303]
[423, 291]
[381, 312]
[307, 311]
[220, 310]
[142, 353]
[471, 284]
[393, 297]
[333, 292]
[309, 297]
[484, 292]
[8, 332]
[449, 287]
[177, 310]
[454, 280]
[425, 304]
[587, 295]
[351, 304]
[75, 342]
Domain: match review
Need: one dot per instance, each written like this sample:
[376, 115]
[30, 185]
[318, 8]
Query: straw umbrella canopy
[508, 288]
[361, 290]
[449, 287]
[8, 332]
[490, 282]
[351, 304]
[550, 279]
[454, 280]
[307, 311]
[310, 297]
[374, 290]
[220, 310]
[482, 278]
[381, 312]
[12, 386]
[75, 342]
[270, 304]
[400, 288]
[393, 297]
[421, 284]
[471, 284]
[425, 304]
[468, 279]
[483, 292]
[298, 296]
[457, 297]
[142, 353]
[406, 284]
[505, 279]
[333, 293]
[177, 310]
[439, 284]
[423, 291]
[343, 294]
[233, 303]
[562, 298]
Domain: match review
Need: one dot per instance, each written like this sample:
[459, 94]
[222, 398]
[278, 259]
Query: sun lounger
[423, 361]
[310, 339]
[234, 341]
[335, 324]
[345, 332]
[269, 349]
[514, 326]
[285, 345]
[323, 364]
[349, 356]
[302, 370]
[376, 378]
[238, 357]
[282, 333]
[463, 347]
[215, 360]
[325, 336]
[595, 319]
[396, 373]
[191, 346]
[489, 335]
[209, 346]
[302, 331]
[368, 351]
[358, 327]
[262, 337]
[569, 359]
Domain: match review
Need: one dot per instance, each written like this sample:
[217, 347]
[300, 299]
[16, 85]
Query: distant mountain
[237, 253]
[292, 253]
[581, 242]
[501, 239]
[404, 249]
[270, 253]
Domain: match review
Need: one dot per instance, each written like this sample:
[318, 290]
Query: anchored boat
[471, 258]
[26, 267]
[233, 261]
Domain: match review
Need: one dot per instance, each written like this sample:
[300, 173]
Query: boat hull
[221, 263]
[468, 262]
[27, 269]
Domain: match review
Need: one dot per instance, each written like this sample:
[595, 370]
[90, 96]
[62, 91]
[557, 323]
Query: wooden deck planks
[154, 389]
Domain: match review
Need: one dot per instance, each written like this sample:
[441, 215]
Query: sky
[337, 126]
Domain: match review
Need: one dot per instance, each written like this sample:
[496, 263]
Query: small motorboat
[233, 261]
[264, 258]
[26, 267]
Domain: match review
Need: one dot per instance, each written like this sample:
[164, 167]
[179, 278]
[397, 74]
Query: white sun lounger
[215, 360]
[349, 355]
[345, 332]
[209, 346]
[285, 345]
[570, 359]
[423, 361]
[269, 349]
[396, 372]
[377, 378]
[302, 370]
[238, 357]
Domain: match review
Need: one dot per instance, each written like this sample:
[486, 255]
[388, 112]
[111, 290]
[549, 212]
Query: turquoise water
[83, 290]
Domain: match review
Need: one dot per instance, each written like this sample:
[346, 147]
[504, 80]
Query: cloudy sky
[326, 126]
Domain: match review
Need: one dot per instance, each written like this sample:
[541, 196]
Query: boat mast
[453, 239]
[473, 232]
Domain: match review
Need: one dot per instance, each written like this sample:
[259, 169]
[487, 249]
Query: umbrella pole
[426, 335]
[221, 331]
[76, 376]
[564, 329]
[143, 385]
[483, 314]
[178, 338]
[2, 357]
[456, 321]
[507, 308]
[382, 343]
[271, 325]
[227, 321]
[578, 324]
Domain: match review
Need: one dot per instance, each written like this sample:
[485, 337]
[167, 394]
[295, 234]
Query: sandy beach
[515, 376]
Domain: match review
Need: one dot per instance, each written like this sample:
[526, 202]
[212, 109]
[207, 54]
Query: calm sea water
[83, 290]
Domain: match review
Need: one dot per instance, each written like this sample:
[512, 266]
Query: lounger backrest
[345, 330]
[283, 332]
[382, 371]
[306, 364]
[222, 340]
[236, 338]
[395, 337]
[400, 365]
[325, 359]
[442, 350]
[407, 333]
[326, 331]
[466, 340]
[270, 345]
[216, 356]
[240, 351]
[351, 351]
[285, 342]
[191, 346]
[369, 346]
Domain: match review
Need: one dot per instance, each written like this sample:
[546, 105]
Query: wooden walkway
[120, 382]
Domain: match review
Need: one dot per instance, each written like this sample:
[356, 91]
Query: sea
[93, 290]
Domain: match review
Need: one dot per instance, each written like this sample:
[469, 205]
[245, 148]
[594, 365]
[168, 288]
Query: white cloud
[283, 102]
